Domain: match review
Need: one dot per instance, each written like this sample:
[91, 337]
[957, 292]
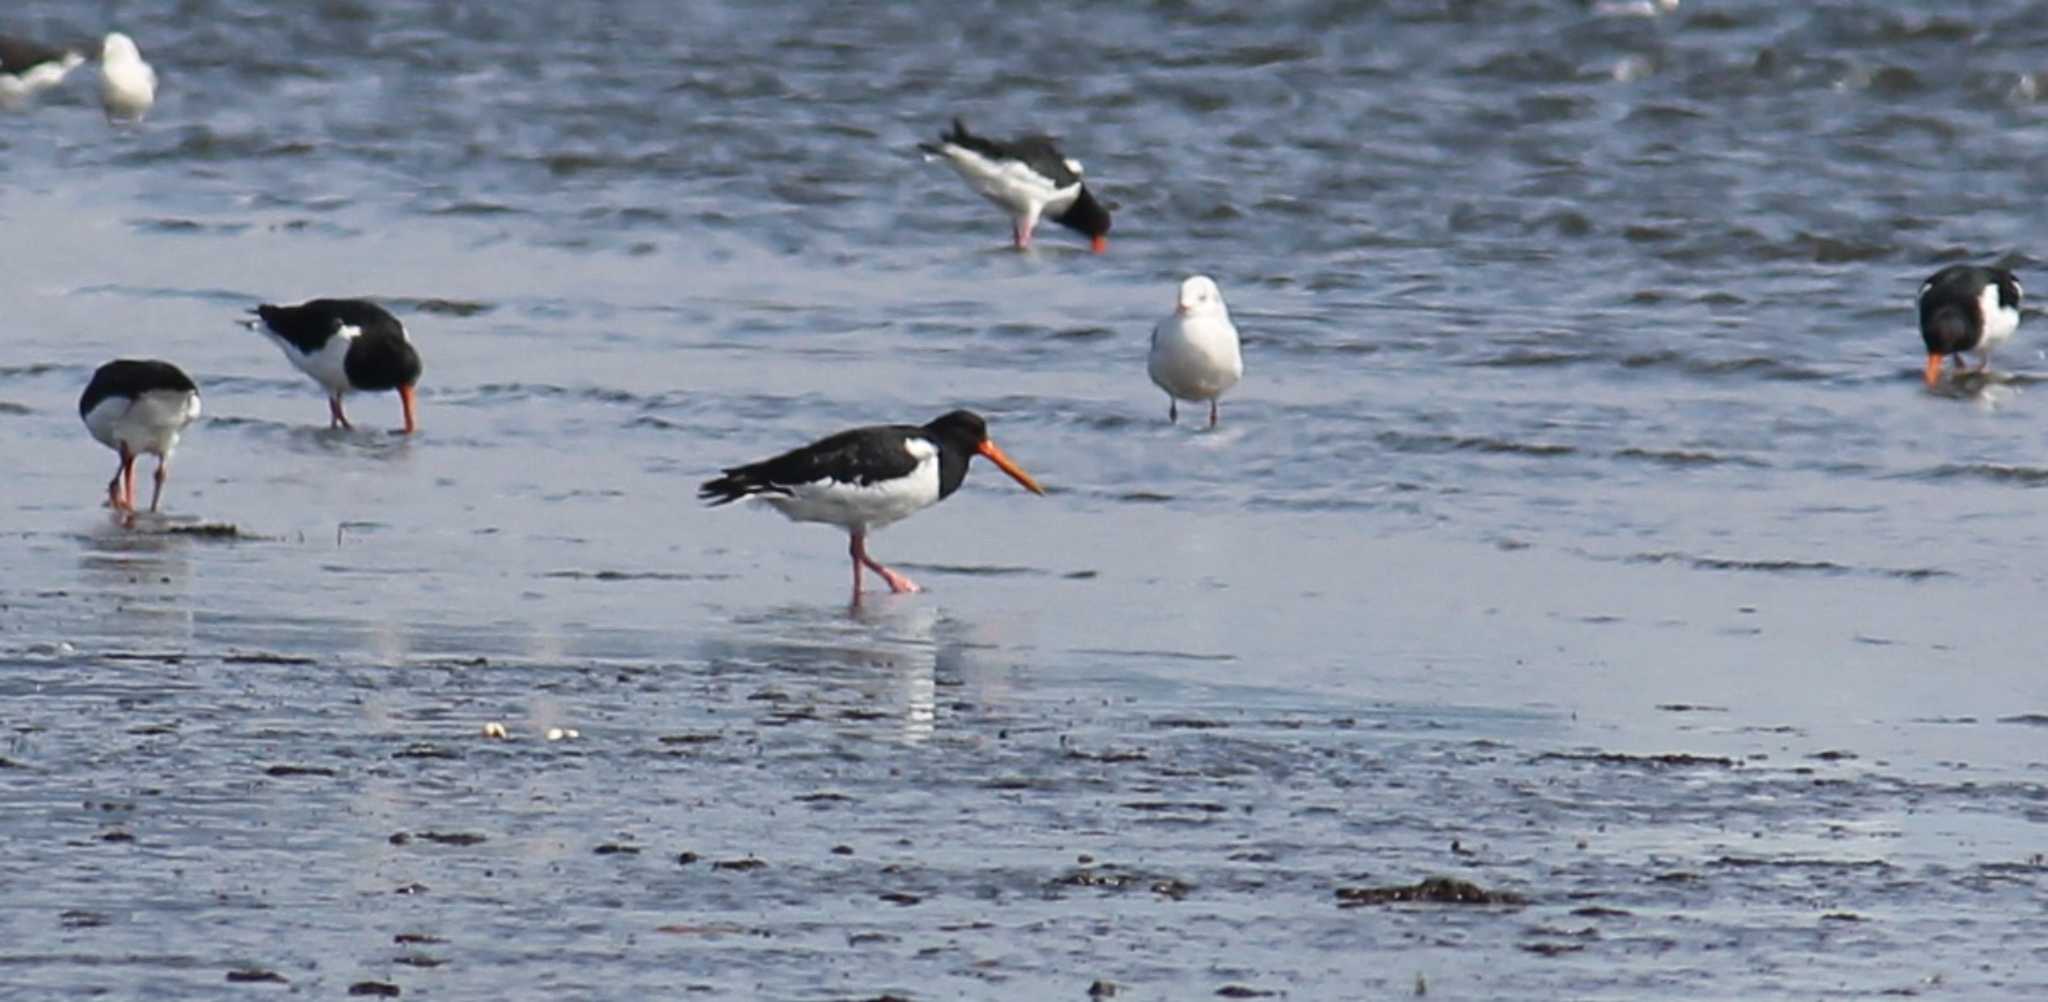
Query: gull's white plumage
[1195, 352]
[127, 84]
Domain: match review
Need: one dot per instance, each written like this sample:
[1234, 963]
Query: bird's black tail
[737, 483]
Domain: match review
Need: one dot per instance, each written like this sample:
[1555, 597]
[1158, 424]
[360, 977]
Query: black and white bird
[28, 67]
[1965, 307]
[866, 478]
[136, 406]
[1029, 177]
[1195, 354]
[127, 84]
[345, 345]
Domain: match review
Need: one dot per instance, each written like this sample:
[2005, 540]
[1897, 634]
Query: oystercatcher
[345, 344]
[1194, 351]
[864, 479]
[1030, 177]
[127, 84]
[27, 67]
[133, 406]
[1964, 307]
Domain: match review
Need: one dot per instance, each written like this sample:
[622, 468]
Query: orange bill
[1099, 244]
[1003, 462]
[1933, 371]
[405, 399]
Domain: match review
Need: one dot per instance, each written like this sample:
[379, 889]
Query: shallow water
[1580, 529]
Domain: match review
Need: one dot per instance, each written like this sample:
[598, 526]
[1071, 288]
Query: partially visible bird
[1194, 352]
[866, 478]
[345, 345]
[133, 406]
[127, 84]
[1029, 177]
[28, 67]
[1966, 307]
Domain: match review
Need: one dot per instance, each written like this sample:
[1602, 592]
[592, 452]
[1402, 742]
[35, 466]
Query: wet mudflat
[1581, 599]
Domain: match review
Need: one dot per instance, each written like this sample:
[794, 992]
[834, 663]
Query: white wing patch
[1010, 184]
[325, 365]
[854, 506]
[149, 423]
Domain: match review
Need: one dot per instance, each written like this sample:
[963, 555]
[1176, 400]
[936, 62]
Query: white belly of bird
[1196, 358]
[1010, 184]
[1999, 321]
[856, 507]
[127, 90]
[149, 423]
[326, 365]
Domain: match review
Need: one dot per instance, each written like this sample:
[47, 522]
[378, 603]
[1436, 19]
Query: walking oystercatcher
[27, 67]
[1194, 351]
[1964, 307]
[133, 406]
[1030, 177]
[864, 479]
[127, 84]
[345, 344]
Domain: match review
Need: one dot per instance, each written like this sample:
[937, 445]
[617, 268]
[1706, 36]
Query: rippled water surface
[1581, 529]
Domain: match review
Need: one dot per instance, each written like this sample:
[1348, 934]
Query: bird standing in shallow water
[1966, 307]
[1028, 176]
[127, 84]
[866, 478]
[1195, 353]
[133, 406]
[345, 345]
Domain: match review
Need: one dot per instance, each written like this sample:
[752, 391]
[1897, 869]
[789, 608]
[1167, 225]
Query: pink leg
[114, 486]
[897, 582]
[157, 494]
[854, 549]
[1021, 234]
[127, 480]
[334, 410]
[1212, 413]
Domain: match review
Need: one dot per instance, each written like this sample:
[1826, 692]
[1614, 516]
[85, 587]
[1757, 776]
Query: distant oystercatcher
[133, 406]
[1964, 307]
[345, 345]
[27, 67]
[1194, 352]
[1030, 177]
[866, 478]
[127, 84]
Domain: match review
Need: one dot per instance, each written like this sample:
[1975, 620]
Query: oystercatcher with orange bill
[136, 406]
[866, 478]
[1028, 176]
[1966, 307]
[345, 345]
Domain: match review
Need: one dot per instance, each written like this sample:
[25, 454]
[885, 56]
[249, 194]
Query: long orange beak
[1933, 371]
[405, 399]
[995, 455]
[1098, 244]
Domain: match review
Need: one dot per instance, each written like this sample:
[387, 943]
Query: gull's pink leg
[334, 410]
[114, 485]
[1020, 234]
[897, 582]
[1212, 413]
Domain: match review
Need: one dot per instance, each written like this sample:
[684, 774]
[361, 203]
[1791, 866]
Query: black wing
[131, 378]
[861, 456]
[1039, 153]
[308, 325]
